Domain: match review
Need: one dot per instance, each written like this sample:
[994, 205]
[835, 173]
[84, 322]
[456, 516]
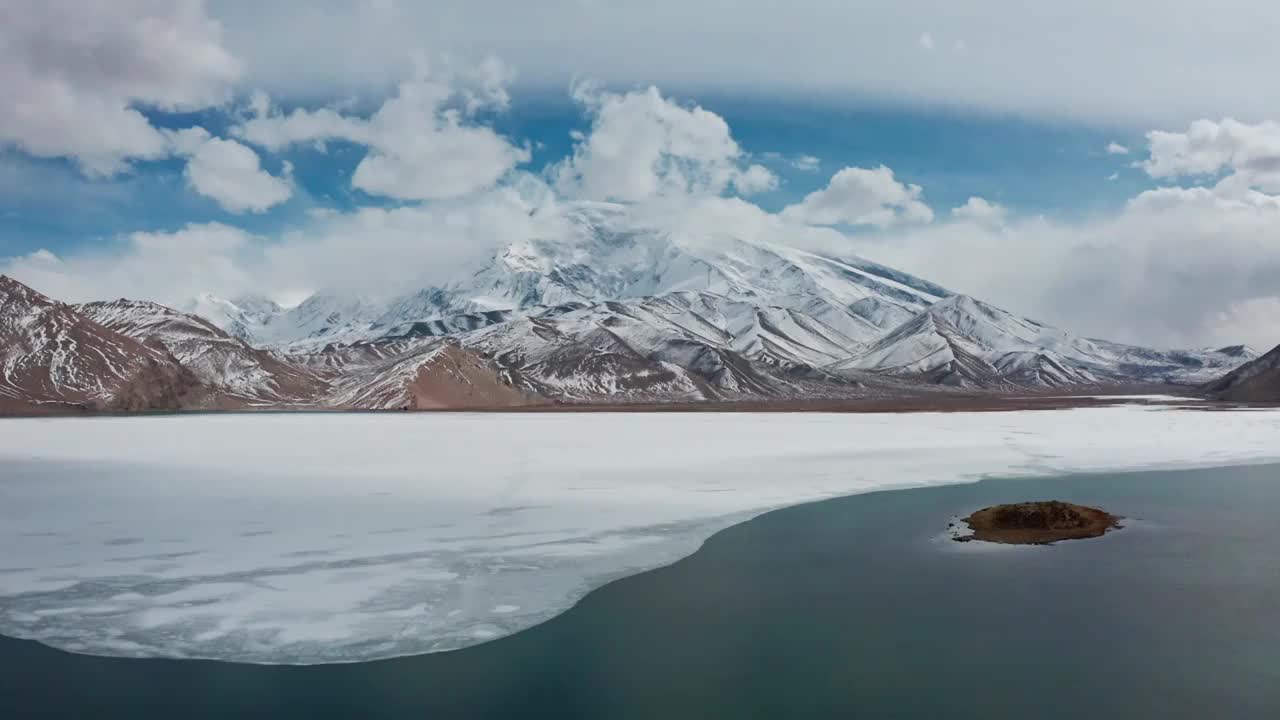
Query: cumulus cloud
[980, 210]
[642, 145]
[228, 172]
[861, 196]
[144, 265]
[926, 41]
[423, 143]
[1115, 148]
[370, 251]
[1248, 154]
[1161, 272]
[1256, 319]
[73, 76]
[397, 250]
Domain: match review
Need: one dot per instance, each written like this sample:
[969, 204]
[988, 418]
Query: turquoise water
[856, 607]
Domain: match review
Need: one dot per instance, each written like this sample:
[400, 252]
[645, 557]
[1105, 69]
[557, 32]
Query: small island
[1038, 523]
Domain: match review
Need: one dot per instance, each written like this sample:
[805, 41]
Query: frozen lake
[313, 538]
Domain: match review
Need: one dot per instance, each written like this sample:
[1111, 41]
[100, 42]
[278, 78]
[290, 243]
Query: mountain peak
[957, 301]
[1240, 351]
[14, 292]
[8, 283]
[967, 305]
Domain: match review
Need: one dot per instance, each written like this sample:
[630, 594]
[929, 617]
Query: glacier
[318, 538]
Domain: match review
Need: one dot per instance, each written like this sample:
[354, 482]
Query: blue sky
[1031, 166]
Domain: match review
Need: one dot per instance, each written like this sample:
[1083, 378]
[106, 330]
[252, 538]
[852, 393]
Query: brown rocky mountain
[234, 374]
[438, 375]
[1255, 381]
[127, 355]
[53, 357]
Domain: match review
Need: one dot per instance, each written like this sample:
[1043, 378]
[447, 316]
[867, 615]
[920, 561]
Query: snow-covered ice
[304, 538]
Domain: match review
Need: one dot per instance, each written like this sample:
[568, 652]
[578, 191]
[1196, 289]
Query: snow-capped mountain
[613, 310]
[604, 258]
[621, 310]
[961, 341]
[322, 318]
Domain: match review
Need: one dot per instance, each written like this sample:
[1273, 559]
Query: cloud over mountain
[422, 143]
[642, 145]
[861, 196]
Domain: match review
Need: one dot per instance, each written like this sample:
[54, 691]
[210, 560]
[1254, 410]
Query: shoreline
[976, 403]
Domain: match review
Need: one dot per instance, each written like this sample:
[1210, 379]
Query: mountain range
[612, 311]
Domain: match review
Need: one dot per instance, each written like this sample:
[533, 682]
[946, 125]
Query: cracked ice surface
[305, 538]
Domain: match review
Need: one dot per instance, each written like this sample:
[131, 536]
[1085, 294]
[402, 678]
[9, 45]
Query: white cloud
[1188, 265]
[858, 196]
[1249, 152]
[422, 142]
[230, 173]
[1177, 267]
[980, 210]
[168, 267]
[835, 48]
[926, 41]
[370, 250]
[754, 179]
[227, 171]
[73, 75]
[807, 163]
[642, 145]
[1256, 318]
[1161, 272]
[1115, 148]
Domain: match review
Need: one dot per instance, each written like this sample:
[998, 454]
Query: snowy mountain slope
[605, 256]
[242, 318]
[386, 375]
[431, 375]
[321, 319]
[50, 354]
[222, 363]
[961, 341]
[680, 346]
[1256, 381]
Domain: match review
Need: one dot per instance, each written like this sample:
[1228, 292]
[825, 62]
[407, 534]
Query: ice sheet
[305, 538]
